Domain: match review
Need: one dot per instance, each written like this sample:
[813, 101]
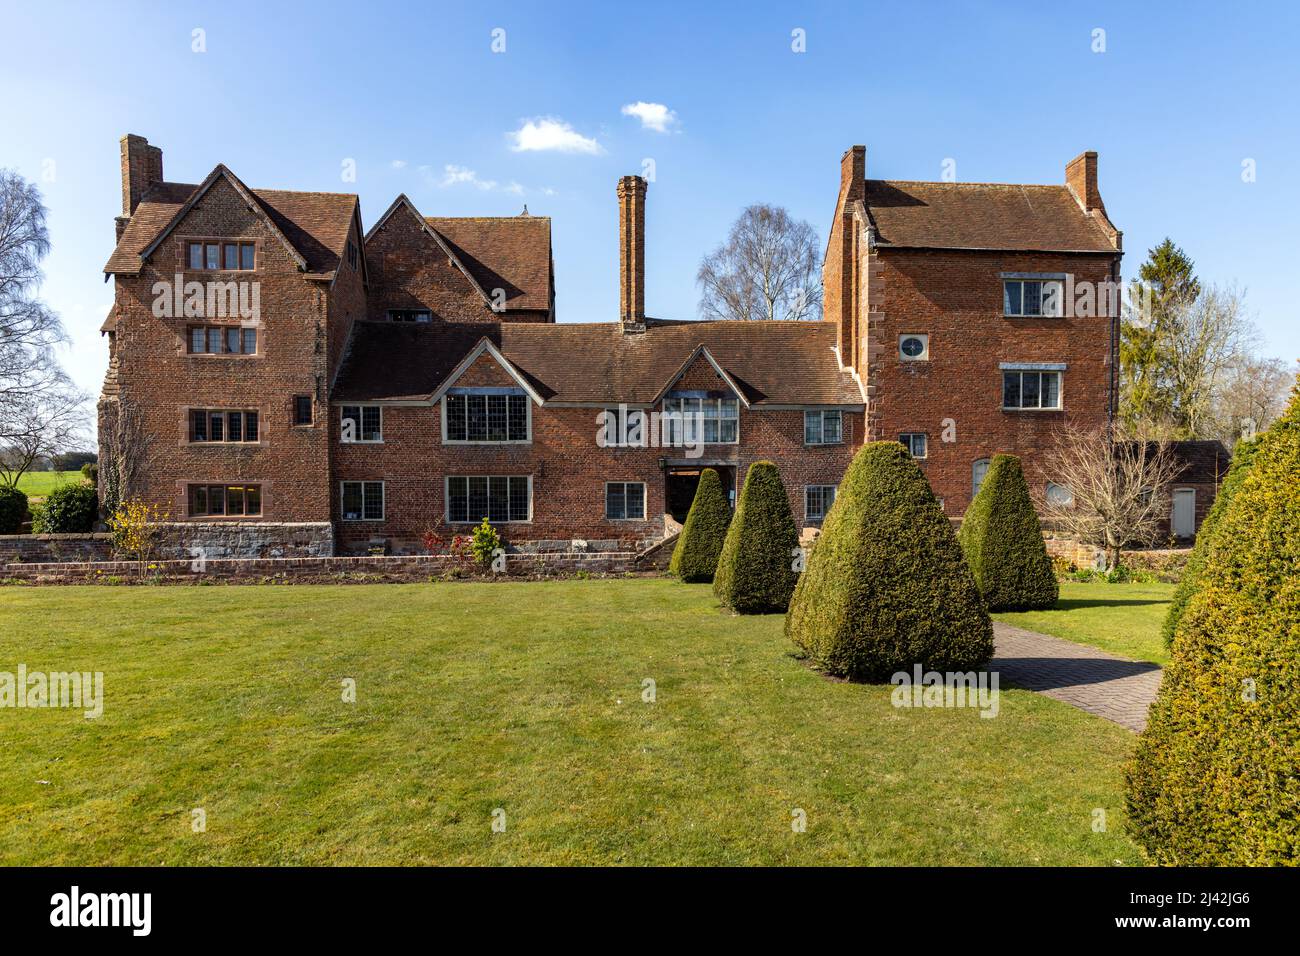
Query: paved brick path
[1090, 679]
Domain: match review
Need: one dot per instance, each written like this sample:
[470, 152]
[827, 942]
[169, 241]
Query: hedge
[756, 568]
[695, 558]
[1004, 545]
[1242, 456]
[68, 509]
[1212, 781]
[13, 509]
[887, 586]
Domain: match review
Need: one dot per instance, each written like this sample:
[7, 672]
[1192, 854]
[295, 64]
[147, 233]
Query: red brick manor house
[307, 386]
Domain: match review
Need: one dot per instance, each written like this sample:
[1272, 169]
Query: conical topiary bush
[1242, 456]
[1212, 780]
[695, 558]
[887, 585]
[756, 568]
[1003, 542]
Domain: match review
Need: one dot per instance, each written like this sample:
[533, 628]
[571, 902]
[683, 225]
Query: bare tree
[28, 329]
[1207, 336]
[40, 411]
[769, 268]
[1118, 488]
[1250, 395]
[36, 427]
[125, 448]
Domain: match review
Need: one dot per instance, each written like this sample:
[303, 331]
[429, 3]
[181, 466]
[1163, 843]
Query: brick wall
[157, 375]
[955, 297]
[568, 469]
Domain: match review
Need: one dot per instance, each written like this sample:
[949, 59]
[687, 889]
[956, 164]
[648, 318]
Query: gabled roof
[313, 226]
[929, 215]
[403, 204]
[512, 253]
[766, 363]
[484, 345]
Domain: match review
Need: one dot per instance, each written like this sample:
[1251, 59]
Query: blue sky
[286, 93]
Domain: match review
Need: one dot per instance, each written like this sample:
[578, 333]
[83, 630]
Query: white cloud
[457, 175]
[515, 188]
[653, 116]
[398, 164]
[549, 134]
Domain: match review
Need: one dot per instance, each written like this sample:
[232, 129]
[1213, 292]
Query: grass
[526, 697]
[38, 484]
[1124, 619]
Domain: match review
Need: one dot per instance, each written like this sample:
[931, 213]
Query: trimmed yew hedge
[68, 509]
[1213, 777]
[1242, 456]
[13, 509]
[756, 568]
[887, 586]
[1004, 545]
[695, 558]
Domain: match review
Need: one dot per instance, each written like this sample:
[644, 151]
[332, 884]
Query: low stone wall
[367, 569]
[246, 539]
[55, 547]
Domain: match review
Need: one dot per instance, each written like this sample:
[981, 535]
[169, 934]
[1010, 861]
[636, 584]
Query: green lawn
[38, 484]
[1124, 619]
[521, 696]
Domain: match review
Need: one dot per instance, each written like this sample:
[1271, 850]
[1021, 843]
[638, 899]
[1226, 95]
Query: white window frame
[644, 506]
[807, 490]
[383, 499]
[925, 444]
[361, 413]
[821, 427]
[975, 486]
[1043, 281]
[225, 414]
[486, 391]
[1040, 368]
[679, 426]
[925, 353]
[446, 500]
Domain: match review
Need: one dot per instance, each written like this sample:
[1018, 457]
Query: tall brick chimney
[631, 253]
[1081, 179]
[141, 167]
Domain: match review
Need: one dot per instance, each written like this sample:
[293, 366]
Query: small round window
[913, 346]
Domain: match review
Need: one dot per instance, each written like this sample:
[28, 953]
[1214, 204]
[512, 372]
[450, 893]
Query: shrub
[13, 509]
[1242, 456]
[1212, 779]
[68, 509]
[484, 543]
[756, 568]
[887, 586]
[1004, 545]
[90, 471]
[698, 548]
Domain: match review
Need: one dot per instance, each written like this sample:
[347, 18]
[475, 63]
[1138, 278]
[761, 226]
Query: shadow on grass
[1072, 604]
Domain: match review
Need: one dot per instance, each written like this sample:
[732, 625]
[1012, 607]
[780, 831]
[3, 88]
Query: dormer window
[222, 256]
[693, 417]
[486, 415]
[410, 315]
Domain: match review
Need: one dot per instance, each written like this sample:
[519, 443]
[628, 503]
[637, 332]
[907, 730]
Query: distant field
[40, 483]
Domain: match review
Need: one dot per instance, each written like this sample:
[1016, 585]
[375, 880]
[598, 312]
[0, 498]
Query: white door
[1184, 512]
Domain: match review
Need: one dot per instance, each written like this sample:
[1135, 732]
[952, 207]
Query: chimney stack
[141, 167]
[631, 253]
[853, 172]
[1081, 179]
